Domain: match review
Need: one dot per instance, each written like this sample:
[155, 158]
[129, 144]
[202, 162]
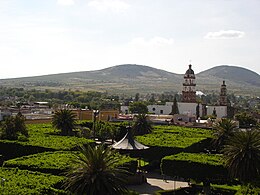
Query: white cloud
[106, 5]
[155, 41]
[65, 2]
[225, 34]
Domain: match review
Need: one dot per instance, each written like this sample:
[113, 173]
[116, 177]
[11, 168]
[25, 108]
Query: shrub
[195, 166]
[15, 181]
[57, 162]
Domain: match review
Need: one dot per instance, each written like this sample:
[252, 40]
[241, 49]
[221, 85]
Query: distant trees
[13, 126]
[95, 171]
[138, 108]
[64, 120]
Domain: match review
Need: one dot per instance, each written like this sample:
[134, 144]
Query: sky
[39, 37]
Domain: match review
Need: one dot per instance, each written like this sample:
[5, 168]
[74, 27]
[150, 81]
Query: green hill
[132, 78]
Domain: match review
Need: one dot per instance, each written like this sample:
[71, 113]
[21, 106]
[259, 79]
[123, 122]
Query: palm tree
[223, 130]
[65, 121]
[242, 155]
[95, 172]
[142, 125]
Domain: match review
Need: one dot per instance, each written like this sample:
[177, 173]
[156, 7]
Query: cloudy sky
[53, 36]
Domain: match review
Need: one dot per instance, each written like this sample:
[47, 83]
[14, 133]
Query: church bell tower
[223, 95]
[189, 91]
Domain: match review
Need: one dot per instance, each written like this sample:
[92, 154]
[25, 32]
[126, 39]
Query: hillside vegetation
[131, 79]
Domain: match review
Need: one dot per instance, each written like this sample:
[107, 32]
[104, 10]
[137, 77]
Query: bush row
[195, 166]
[57, 162]
[15, 181]
[173, 136]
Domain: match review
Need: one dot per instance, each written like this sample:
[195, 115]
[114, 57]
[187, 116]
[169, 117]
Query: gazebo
[129, 143]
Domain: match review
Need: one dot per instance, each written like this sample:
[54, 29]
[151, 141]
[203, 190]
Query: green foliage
[138, 108]
[44, 136]
[59, 161]
[245, 119]
[174, 136]
[223, 129]
[65, 121]
[95, 171]
[13, 127]
[195, 166]
[105, 130]
[242, 155]
[210, 159]
[15, 181]
[249, 189]
[47, 162]
[141, 125]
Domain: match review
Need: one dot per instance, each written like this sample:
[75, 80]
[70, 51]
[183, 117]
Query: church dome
[189, 71]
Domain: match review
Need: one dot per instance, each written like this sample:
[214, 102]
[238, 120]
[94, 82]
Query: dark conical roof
[189, 71]
[128, 143]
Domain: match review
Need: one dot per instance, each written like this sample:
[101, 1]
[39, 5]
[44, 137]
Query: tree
[20, 124]
[13, 126]
[245, 119]
[224, 128]
[95, 172]
[65, 121]
[141, 125]
[242, 155]
[175, 109]
[138, 108]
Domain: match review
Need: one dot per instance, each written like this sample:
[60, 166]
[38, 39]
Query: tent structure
[129, 143]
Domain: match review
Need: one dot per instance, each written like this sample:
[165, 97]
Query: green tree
[65, 121]
[141, 125]
[95, 172]
[175, 109]
[20, 124]
[223, 129]
[13, 126]
[245, 119]
[138, 108]
[242, 155]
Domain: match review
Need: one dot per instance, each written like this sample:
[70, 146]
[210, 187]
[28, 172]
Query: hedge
[57, 162]
[195, 166]
[45, 135]
[47, 162]
[174, 136]
[169, 140]
[15, 181]
[42, 137]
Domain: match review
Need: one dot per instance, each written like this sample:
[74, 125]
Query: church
[189, 105]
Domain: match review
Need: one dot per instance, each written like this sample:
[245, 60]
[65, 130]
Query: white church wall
[160, 109]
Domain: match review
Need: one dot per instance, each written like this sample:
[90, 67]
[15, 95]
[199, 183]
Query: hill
[131, 78]
[233, 73]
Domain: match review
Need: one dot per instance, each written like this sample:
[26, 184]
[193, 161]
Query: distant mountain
[233, 73]
[131, 78]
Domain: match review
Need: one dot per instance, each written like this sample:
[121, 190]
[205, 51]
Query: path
[155, 182]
